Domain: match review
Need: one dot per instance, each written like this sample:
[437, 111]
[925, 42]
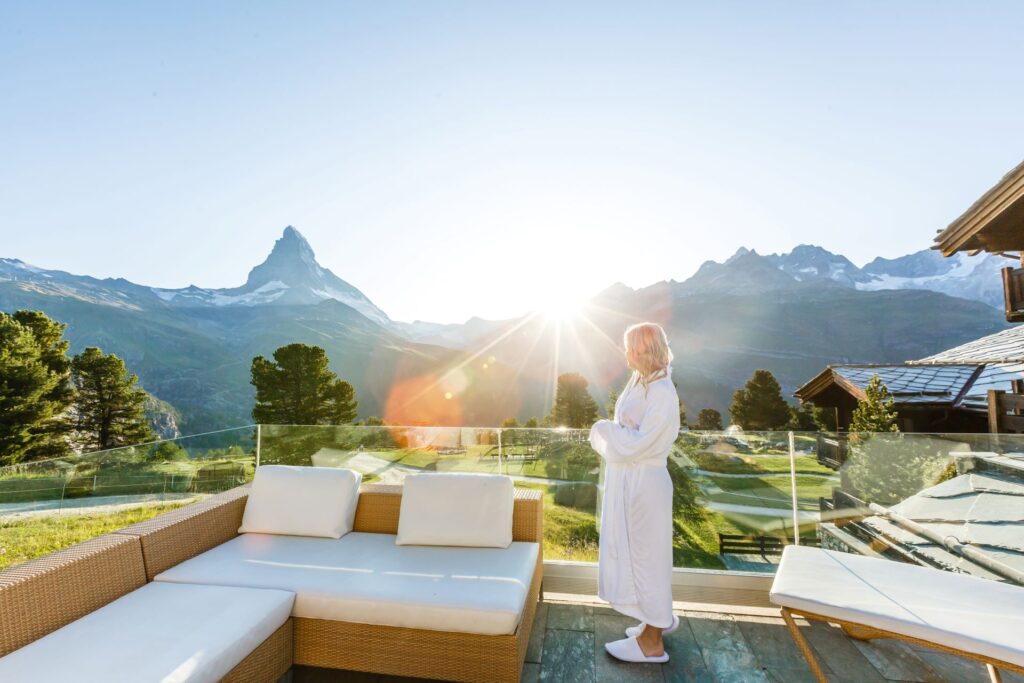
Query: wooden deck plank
[838, 654]
[610, 670]
[535, 648]
[686, 659]
[772, 644]
[953, 668]
[568, 656]
[564, 617]
[724, 649]
[897, 662]
[531, 673]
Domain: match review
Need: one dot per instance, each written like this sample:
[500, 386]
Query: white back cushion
[301, 501]
[456, 509]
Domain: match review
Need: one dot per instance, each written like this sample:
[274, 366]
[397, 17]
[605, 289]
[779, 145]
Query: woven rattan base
[418, 653]
[268, 662]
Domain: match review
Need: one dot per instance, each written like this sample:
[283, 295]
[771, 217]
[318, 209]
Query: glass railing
[165, 470]
[951, 501]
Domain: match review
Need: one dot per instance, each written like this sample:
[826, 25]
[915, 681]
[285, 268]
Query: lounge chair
[979, 619]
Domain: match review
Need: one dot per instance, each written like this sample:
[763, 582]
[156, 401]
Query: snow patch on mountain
[968, 277]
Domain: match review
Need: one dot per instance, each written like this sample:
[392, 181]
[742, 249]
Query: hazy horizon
[458, 160]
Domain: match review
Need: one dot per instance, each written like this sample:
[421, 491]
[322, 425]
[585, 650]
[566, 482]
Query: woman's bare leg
[650, 641]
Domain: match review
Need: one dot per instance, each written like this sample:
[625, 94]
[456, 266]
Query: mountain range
[792, 313]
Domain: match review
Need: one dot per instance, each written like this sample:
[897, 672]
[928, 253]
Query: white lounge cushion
[302, 501]
[161, 632]
[959, 611]
[456, 509]
[366, 578]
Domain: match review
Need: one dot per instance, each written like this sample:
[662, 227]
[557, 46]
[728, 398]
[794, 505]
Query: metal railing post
[792, 488]
[259, 436]
[501, 457]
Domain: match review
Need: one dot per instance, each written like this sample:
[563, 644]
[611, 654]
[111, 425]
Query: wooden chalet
[976, 387]
[995, 224]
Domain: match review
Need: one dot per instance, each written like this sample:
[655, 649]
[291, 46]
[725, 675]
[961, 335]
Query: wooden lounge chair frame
[862, 632]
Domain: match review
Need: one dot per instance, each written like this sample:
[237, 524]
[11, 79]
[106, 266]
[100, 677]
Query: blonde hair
[647, 353]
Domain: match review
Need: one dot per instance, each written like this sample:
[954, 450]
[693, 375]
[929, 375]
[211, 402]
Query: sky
[453, 159]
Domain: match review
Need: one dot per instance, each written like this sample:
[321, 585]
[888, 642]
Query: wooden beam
[993, 410]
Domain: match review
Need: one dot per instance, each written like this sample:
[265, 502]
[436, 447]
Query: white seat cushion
[366, 578]
[963, 612]
[301, 501]
[456, 509]
[160, 632]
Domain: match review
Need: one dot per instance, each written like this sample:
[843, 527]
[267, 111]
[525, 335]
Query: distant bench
[735, 544]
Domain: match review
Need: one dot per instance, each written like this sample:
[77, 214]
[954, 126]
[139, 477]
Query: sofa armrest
[44, 594]
[528, 516]
[175, 536]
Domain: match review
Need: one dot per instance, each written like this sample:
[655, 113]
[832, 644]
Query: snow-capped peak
[289, 275]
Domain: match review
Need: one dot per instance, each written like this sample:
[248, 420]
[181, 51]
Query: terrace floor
[723, 644]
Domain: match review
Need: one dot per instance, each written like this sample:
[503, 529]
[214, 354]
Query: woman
[635, 561]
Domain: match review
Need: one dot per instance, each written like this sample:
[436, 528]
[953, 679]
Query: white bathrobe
[635, 562]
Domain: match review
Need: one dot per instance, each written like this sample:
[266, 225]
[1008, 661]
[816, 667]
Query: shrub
[581, 496]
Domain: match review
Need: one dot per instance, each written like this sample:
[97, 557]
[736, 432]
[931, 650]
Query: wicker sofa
[46, 594]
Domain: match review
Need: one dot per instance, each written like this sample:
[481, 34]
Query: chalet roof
[925, 385]
[1002, 347]
[983, 509]
[995, 222]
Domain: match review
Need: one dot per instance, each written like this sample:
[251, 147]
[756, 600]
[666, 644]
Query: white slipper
[634, 631]
[628, 650]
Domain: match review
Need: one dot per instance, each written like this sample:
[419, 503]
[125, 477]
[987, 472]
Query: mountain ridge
[792, 312]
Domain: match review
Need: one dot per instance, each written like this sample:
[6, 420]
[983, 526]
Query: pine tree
[28, 385]
[609, 408]
[682, 414]
[52, 433]
[574, 406]
[759, 405]
[875, 413]
[509, 423]
[709, 420]
[109, 409]
[810, 418]
[297, 388]
[531, 423]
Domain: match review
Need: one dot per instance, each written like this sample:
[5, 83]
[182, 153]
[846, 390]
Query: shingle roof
[960, 377]
[914, 384]
[985, 510]
[1002, 347]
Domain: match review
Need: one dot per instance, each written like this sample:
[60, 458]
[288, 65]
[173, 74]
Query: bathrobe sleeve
[658, 429]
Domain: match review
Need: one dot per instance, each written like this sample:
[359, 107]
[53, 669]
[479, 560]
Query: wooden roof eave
[1004, 202]
[822, 381]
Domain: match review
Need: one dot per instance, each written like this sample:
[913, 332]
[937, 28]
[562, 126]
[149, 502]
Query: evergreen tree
[374, 421]
[109, 409]
[574, 406]
[810, 418]
[531, 423]
[297, 388]
[709, 420]
[509, 423]
[682, 414]
[875, 413]
[759, 405]
[32, 395]
[609, 408]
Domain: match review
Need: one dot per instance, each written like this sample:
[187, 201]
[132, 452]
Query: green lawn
[126, 478]
[23, 539]
[772, 491]
[738, 463]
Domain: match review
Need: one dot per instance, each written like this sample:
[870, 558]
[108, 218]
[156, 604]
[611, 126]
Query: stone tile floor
[736, 646]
